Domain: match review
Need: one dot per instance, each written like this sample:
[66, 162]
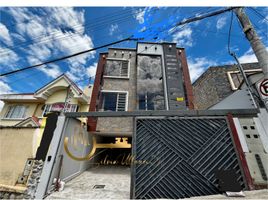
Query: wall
[58, 96]
[16, 145]
[213, 85]
[122, 126]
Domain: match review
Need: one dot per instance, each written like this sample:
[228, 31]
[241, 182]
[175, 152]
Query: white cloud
[8, 57]
[139, 15]
[113, 28]
[221, 22]
[249, 57]
[183, 37]
[4, 35]
[51, 70]
[198, 65]
[4, 89]
[56, 32]
[91, 70]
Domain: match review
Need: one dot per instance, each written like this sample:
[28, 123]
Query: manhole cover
[98, 186]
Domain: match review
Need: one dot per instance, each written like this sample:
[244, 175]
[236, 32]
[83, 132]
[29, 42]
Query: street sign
[262, 87]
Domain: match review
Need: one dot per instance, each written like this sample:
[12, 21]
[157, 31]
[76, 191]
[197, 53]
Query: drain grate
[98, 186]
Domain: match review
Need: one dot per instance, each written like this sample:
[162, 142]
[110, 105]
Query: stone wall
[213, 85]
[24, 191]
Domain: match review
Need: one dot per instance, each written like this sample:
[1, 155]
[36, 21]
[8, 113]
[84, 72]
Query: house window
[16, 112]
[58, 107]
[116, 68]
[114, 101]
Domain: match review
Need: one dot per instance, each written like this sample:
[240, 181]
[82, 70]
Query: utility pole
[261, 54]
[254, 40]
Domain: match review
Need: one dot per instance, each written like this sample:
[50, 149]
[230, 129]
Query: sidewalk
[116, 181]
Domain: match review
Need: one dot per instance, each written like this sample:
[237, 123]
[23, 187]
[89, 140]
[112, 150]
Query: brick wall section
[186, 78]
[213, 85]
[92, 122]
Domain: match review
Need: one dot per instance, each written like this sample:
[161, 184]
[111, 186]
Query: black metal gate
[178, 157]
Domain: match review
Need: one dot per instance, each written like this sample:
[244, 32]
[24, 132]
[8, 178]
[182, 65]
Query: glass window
[150, 91]
[117, 68]
[113, 101]
[59, 107]
[16, 112]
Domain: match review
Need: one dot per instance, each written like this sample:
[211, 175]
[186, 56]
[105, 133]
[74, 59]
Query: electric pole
[254, 40]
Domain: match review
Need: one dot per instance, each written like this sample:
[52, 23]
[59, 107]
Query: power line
[198, 18]
[229, 34]
[69, 56]
[189, 20]
[259, 14]
[59, 35]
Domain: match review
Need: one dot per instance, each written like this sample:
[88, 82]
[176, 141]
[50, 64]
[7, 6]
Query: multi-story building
[153, 76]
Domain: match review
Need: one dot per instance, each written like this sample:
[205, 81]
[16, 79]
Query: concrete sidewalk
[117, 186]
[115, 178]
[256, 194]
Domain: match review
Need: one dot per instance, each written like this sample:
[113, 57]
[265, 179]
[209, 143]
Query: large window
[16, 112]
[150, 92]
[114, 101]
[59, 107]
[117, 68]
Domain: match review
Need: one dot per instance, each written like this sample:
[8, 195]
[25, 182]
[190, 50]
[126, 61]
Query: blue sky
[32, 35]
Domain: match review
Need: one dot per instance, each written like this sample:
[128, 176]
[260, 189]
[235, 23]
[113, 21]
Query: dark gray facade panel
[174, 78]
[181, 157]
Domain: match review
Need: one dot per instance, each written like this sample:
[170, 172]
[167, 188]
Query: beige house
[26, 109]
[22, 122]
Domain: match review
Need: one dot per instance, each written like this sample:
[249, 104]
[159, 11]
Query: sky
[32, 35]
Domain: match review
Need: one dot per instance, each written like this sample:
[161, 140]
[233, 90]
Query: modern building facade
[153, 76]
[216, 83]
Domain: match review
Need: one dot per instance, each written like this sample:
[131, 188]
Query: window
[116, 68]
[59, 107]
[114, 101]
[16, 112]
[150, 92]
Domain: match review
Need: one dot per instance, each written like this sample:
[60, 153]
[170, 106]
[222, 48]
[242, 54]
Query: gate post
[240, 152]
[50, 158]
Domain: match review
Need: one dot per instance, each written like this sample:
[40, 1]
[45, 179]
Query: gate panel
[181, 157]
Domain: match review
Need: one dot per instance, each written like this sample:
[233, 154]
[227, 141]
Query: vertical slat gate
[181, 156]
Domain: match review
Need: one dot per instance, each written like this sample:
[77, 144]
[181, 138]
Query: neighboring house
[22, 125]
[216, 83]
[152, 76]
[26, 109]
